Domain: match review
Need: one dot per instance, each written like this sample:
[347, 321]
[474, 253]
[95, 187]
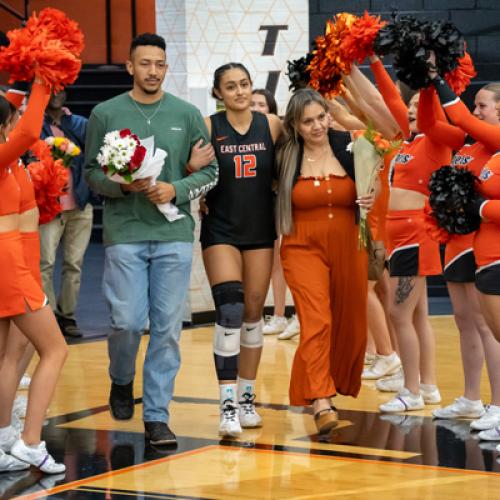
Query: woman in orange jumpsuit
[22, 299]
[476, 339]
[323, 264]
[412, 255]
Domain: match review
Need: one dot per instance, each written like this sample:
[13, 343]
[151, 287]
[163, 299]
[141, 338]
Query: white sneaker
[8, 437]
[394, 383]
[8, 463]
[404, 401]
[460, 408]
[490, 434]
[275, 324]
[248, 414]
[490, 419]
[25, 382]
[382, 366]
[37, 456]
[229, 420]
[431, 396]
[20, 406]
[291, 330]
[369, 358]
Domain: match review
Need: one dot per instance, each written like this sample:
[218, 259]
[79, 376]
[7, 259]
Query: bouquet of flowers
[50, 179]
[369, 148]
[125, 158]
[63, 149]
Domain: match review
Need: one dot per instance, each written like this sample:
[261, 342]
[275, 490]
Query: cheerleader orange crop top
[490, 188]
[27, 131]
[26, 189]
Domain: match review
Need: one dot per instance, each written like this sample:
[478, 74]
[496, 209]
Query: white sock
[388, 356]
[428, 387]
[227, 391]
[245, 386]
[5, 431]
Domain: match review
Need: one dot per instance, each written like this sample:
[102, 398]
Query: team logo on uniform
[403, 158]
[485, 174]
[461, 160]
[221, 138]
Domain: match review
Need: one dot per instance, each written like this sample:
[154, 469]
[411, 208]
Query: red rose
[125, 132]
[138, 156]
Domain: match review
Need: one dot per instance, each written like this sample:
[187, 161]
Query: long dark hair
[219, 72]
[270, 100]
[5, 111]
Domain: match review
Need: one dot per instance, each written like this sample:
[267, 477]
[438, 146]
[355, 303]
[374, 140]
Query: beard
[149, 90]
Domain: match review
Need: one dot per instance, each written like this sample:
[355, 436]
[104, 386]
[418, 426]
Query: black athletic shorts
[488, 279]
[462, 269]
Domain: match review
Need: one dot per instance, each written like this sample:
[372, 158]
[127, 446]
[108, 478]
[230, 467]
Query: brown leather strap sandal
[326, 420]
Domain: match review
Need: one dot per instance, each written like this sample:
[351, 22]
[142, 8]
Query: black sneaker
[158, 433]
[68, 327]
[121, 401]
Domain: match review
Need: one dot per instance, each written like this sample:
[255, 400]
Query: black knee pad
[229, 304]
[226, 367]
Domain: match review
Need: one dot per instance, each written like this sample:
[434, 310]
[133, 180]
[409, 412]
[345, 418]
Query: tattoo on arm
[405, 286]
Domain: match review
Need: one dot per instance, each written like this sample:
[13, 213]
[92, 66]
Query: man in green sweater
[147, 258]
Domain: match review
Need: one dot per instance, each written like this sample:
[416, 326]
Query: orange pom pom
[327, 66]
[57, 27]
[50, 179]
[50, 43]
[358, 41]
[460, 78]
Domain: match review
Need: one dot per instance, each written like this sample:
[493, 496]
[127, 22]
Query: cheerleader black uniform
[241, 206]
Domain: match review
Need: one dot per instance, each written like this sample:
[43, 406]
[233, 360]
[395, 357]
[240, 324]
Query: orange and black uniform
[19, 289]
[411, 251]
[327, 275]
[483, 160]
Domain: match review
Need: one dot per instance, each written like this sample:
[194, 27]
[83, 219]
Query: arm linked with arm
[201, 182]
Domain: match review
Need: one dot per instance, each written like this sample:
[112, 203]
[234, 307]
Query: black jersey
[241, 206]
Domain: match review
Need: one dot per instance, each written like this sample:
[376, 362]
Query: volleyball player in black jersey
[237, 237]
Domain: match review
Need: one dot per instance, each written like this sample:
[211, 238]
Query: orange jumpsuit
[411, 251]
[18, 287]
[327, 275]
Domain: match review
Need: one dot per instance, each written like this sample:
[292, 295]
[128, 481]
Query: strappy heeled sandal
[326, 420]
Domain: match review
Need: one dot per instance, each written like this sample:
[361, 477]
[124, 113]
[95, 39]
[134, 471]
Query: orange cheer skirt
[19, 289]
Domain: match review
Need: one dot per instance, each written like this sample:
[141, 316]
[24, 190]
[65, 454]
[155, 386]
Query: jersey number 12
[244, 166]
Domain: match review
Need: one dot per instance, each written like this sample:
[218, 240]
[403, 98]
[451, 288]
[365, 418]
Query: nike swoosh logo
[227, 334]
[251, 329]
[221, 138]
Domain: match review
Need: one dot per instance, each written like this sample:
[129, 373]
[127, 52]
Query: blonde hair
[493, 87]
[287, 155]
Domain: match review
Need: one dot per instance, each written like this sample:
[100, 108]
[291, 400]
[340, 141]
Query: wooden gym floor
[368, 456]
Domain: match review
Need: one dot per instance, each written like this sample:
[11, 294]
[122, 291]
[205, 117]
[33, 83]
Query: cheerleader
[476, 339]
[463, 252]
[23, 301]
[412, 254]
[237, 238]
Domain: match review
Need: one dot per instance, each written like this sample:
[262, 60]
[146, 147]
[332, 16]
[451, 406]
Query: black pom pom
[410, 40]
[297, 72]
[452, 191]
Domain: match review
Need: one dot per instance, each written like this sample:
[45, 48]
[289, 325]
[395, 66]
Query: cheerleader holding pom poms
[46, 50]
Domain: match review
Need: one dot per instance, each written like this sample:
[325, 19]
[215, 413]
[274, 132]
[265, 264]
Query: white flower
[50, 140]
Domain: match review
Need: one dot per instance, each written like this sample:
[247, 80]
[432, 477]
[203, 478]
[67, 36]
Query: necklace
[146, 117]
